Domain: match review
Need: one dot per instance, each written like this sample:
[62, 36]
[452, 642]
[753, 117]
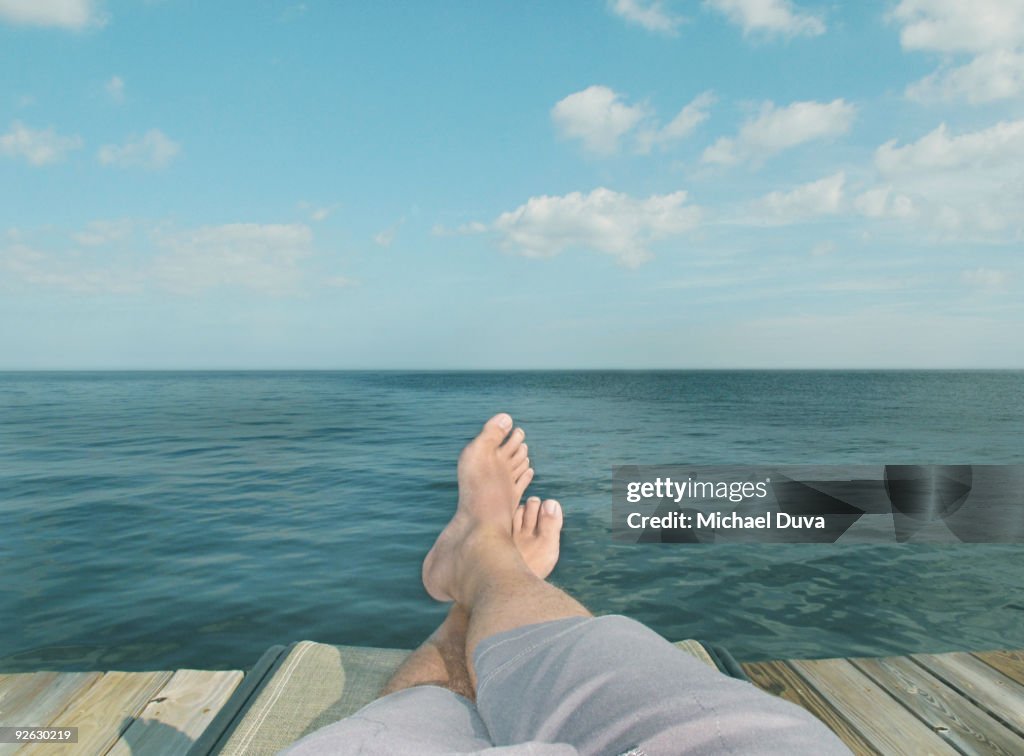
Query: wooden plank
[103, 712]
[35, 699]
[991, 690]
[951, 716]
[777, 678]
[1010, 663]
[175, 718]
[877, 716]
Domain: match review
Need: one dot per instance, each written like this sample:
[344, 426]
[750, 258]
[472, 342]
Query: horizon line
[505, 370]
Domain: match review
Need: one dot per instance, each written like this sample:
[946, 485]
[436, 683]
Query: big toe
[549, 519]
[495, 429]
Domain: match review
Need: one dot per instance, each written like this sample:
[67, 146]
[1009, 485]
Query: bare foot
[536, 528]
[493, 473]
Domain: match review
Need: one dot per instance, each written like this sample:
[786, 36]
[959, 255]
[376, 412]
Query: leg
[421, 721]
[475, 560]
[419, 717]
[545, 670]
[441, 660]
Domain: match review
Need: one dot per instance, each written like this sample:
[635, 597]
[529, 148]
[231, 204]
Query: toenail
[534, 498]
[505, 421]
[550, 506]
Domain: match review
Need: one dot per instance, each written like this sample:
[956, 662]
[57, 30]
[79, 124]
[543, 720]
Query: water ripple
[171, 520]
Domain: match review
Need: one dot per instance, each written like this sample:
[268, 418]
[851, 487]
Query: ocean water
[170, 520]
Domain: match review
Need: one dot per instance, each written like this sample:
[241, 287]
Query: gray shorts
[605, 685]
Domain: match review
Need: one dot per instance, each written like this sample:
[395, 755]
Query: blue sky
[624, 184]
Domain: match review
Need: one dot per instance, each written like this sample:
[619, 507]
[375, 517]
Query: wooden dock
[957, 703]
[115, 712]
[968, 703]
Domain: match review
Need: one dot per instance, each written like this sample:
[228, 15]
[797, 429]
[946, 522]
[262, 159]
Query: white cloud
[262, 257]
[779, 128]
[985, 278]
[387, 236]
[958, 26]
[27, 265]
[115, 88]
[649, 14]
[474, 227]
[823, 248]
[686, 120]
[992, 31]
[294, 11]
[603, 220]
[883, 202]
[153, 150]
[66, 14]
[991, 76]
[600, 118]
[873, 202]
[821, 197]
[939, 152]
[769, 17]
[597, 117]
[318, 213]
[37, 147]
[125, 256]
[99, 233]
[960, 185]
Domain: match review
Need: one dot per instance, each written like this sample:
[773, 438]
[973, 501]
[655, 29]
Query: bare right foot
[493, 473]
[536, 528]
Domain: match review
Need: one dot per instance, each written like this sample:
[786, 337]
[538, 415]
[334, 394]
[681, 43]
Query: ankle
[483, 546]
[453, 627]
[487, 561]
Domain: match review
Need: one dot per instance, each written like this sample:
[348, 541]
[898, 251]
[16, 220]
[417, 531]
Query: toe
[523, 480]
[518, 456]
[520, 468]
[517, 519]
[496, 428]
[549, 522]
[514, 442]
[530, 516]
